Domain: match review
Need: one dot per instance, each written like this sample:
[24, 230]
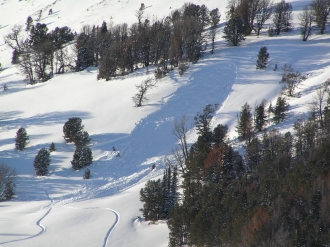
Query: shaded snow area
[62, 209]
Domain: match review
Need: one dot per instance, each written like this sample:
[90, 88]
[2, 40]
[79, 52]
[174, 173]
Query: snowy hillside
[62, 209]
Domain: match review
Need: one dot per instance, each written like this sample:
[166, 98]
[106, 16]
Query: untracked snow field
[63, 209]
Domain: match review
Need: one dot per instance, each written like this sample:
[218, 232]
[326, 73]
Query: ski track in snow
[43, 228]
[107, 235]
[106, 239]
[38, 222]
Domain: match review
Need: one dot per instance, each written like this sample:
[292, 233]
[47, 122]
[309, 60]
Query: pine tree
[262, 58]
[244, 126]
[21, 139]
[280, 110]
[82, 157]
[72, 128]
[29, 22]
[41, 162]
[219, 134]
[234, 31]
[7, 185]
[151, 195]
[82, 139]
[52, 147]
[260, 116]
[202, 122]
[253, 153]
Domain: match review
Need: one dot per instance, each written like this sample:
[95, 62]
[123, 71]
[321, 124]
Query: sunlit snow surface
[62, 209]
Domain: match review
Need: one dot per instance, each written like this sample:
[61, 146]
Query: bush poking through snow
[82, 157]
[291, 78]
[87, 174]
[52, 147]
[183, 67]
[21, 139]
[41, 162]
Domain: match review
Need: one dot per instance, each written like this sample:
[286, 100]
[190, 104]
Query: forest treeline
[277, 194]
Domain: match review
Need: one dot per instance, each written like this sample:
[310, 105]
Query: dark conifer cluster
[278, 198]
[248, 125]
[160, 196]
[74, 133]
[121, 49]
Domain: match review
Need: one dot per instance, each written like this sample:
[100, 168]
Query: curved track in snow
[107, 235]
[111, 228]
[38, 223]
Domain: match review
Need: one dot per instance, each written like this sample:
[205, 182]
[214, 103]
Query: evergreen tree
[234, 31]
[29, 22]
[7, 185]
[244, 126]
[21, 139]
[178, 226]
[41, 162]
[82, 139]
[82, 157]
[253, 153]
[280, 110]
[151, 195]
[52, 147]
[84, 51]
[260, 117]
[262, 58]
[215, 17]
[202, 122]
[160, 196]
[219, 134]
[72, 128]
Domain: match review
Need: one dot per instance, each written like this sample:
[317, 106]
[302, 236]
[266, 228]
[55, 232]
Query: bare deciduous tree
[321, 10]
[282, 16]
[264, 14]
[143, 88]
[180, 130]
[306, 19]
[291, 78]
[13, 39]
[317, 104]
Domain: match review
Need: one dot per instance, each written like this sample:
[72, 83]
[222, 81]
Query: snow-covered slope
[62, 209]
